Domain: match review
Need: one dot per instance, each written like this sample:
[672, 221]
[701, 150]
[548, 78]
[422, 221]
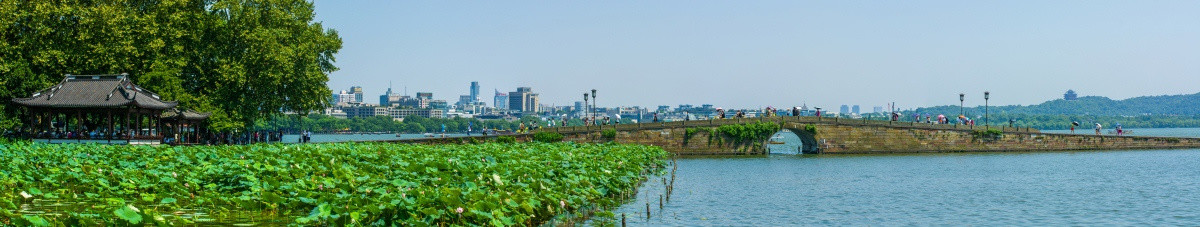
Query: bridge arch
[808, 140]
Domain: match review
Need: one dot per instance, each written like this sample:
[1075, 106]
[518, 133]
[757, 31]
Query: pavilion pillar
[78, 123]
[125, 129]
[109, 132]
[128, 131]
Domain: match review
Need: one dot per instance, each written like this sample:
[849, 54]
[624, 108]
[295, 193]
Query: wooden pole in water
[660, 202]
[622, 219]
[647, 210]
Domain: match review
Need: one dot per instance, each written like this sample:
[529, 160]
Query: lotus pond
[318, 184]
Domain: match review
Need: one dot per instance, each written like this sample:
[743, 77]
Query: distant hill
[1165, 105]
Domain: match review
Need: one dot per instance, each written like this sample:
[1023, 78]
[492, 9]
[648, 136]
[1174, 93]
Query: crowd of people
[939, 119]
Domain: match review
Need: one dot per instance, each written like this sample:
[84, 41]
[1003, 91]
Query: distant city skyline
[770, 53]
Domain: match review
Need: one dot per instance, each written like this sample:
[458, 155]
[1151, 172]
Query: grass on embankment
[322, 184]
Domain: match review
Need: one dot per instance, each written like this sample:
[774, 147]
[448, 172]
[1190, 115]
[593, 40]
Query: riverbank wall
[840, 139]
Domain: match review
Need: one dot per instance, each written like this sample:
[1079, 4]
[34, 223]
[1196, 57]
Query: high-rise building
[424, 95]
[845, 109]
[855, 109]
[579, 106]
[464, 100]
[384, 99]
[877, 109]
[474, 92]
[438, 104]
[357, 91]
[523, 100]
[343, 97]
[501, 101]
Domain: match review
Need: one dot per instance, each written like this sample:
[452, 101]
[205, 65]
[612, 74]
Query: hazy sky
[749, 54]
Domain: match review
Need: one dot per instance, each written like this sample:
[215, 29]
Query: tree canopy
[242, 60]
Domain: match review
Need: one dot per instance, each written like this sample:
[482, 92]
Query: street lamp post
[961, 97]
[585, 109]
[594, 104]
[985, 109]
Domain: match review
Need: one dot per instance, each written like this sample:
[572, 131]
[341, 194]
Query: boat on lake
[776, 140]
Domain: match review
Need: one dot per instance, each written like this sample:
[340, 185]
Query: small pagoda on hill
[105, 109]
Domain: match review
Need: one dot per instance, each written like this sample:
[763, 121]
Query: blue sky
[749, 54]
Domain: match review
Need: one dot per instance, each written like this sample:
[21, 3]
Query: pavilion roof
[187, 114]
[96, 91]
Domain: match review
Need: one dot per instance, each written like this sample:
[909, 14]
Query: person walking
[1098, 127]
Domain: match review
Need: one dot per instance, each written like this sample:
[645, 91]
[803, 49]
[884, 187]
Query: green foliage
[750, 132]
[810, 128]
[990, 134]
[241, 60]
[321, 184]
[547, 137]
[609, 134]
[506, 139]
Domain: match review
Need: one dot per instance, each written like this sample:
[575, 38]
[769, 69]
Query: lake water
[325, 138]
[1136, 187]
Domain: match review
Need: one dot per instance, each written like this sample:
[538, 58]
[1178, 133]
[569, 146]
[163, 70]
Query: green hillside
[1165, 105]
[1167, 111]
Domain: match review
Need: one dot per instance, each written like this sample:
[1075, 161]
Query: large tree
[242, 60]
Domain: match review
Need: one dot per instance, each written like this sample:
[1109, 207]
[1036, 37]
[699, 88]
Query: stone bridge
[846, 136]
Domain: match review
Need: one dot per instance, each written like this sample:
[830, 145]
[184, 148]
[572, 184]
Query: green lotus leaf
[36, 220]
[128, 214]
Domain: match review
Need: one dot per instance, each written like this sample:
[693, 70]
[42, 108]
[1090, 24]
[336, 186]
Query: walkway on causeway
[839, 135]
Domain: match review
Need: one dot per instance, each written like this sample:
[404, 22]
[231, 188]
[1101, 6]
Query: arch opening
[794, 141]
[788, 141]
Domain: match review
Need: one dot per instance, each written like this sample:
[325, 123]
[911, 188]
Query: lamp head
[961, 96]
[986, 94]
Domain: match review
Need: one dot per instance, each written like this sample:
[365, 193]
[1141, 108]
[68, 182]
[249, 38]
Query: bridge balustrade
[782, 119]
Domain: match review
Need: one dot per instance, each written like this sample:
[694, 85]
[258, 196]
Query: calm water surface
[1139, 187]
[325, 138]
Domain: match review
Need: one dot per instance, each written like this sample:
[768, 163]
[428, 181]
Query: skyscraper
[856, 110]
[523, 100]
[358, 94]
[845, 109]
[424, 95]
[474, 92]
[383, 99]
[501, 101]
[343, 97]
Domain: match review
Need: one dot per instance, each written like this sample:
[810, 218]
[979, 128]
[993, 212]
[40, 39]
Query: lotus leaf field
[369, 184]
